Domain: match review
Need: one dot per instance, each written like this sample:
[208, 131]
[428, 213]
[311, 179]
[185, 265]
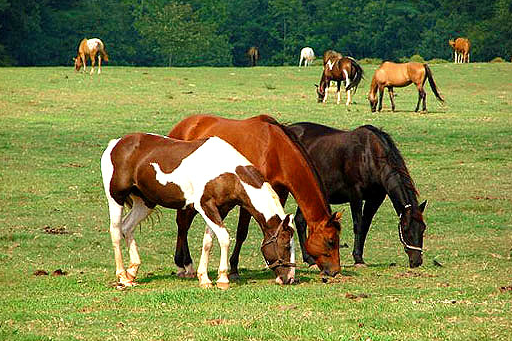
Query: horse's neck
[398, 190]
[302, 181]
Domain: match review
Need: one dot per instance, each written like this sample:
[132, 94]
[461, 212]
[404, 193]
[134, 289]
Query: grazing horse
[273, 151]
[206, 176]
[307, 55]
[90, 48]
[461, 47]
[390, 75]
[344, 69]
[363, 165]
[254, 54]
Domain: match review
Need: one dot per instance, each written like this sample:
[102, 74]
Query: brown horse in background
[461, 47]
[282, 161]
[390, 75]
[90, 48]
[344, 69]
[254, 54]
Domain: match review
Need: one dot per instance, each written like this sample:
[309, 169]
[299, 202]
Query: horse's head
[277, 248]
[78, 63]
[323, 244]
[372, 98]
[451, 42]
[411, 229]
[320, 91]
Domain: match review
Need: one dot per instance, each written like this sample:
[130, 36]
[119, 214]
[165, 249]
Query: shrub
[415, 58]
[438, 61]
[497, 60]
[371, 61]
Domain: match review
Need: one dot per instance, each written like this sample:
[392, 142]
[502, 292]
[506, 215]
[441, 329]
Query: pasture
[55, 124]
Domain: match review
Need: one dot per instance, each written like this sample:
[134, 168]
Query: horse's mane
[291, 135]
[394, 157]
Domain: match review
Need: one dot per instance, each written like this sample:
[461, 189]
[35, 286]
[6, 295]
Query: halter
[400, 233]
[273, 240]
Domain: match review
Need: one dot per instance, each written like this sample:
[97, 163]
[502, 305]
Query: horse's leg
[326, 90]
[391, 98]
[84, 60]
[241, 235]
[116, 222]
[356, 209]
[138, 213]
[93, 61]
[338, 92]
[301, 226]
[381, 94]
[347, 84]
[99, 63]
[214, 221]
[182, 257]
[370, 208]
[421, 96]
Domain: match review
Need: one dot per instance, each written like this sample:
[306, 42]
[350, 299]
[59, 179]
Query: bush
[497, 60]
[371, 61]
[438, 61]
[415, 58]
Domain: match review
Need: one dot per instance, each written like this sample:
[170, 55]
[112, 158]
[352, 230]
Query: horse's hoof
[223, 286]
[234, 277]
[207, 285]
[314, 267]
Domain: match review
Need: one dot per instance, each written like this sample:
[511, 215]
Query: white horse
[308, 55]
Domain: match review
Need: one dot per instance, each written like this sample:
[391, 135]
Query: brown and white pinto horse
[254, 54]
[271, 148]
[390, 75]
[206, 176]
[344, 69]
[90, 48]
[461, 47]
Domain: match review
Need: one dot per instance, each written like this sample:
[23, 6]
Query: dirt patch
[217, 322]
[506, 289]
[359, 296]
[55, 230]
[412, 274]
[40, 273]
[59, 272]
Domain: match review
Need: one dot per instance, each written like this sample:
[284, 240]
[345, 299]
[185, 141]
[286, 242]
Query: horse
[363, 165]
[307, 55]
[206, 176]
[90, 48]
[344, 69]
[275, 152]
[254, 54]
[390, 75]
[461, 47]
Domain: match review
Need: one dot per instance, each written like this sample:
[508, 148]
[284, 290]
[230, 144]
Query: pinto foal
[206, 176]
[90, 48]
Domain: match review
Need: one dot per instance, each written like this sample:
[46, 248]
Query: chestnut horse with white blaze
[282, 160]
[206, 176]
[390, 75]
[461, 48]
[307, 55]
[90, 48]
[344, 69]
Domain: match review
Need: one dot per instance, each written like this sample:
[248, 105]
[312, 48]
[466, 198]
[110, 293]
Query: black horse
[363, 165]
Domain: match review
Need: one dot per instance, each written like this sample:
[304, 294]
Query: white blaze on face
[330, 64]
[211, 159]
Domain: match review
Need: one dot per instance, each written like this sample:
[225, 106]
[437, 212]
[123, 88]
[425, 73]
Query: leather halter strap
[400, 234]
[273, 240]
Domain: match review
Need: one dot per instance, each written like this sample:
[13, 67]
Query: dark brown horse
[344, 69]
[390, 75]
[363, 165]
[206, 176]
[90, 48]
[254, 54]
[282, 161]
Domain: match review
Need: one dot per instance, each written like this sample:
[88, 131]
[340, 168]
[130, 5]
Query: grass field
[55, 124]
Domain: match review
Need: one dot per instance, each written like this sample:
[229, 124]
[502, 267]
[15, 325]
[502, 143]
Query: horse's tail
[357, 77]
[103, 52]
[432, 83]
[393, 155]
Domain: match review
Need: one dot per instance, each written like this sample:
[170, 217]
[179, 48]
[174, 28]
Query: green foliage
[497, 60]
[415, 58]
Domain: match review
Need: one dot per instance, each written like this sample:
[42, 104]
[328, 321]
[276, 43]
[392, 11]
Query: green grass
[55, 124]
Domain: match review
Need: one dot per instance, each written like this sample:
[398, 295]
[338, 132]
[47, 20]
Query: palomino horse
[364, 165]
[390, 75]
[344, 69]
[307, 55]
[254, 54]
[90, 48]
[461, 47]
[206, 176]
[272, 150]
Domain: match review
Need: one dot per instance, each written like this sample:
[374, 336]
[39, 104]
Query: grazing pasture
[56, 268]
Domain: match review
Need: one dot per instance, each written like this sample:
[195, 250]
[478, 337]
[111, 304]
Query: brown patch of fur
[250, 175]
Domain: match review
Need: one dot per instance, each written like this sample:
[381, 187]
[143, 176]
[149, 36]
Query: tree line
[219, 32]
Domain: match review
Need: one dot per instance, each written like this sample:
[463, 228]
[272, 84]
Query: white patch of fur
[92, 43]
[265, 200]
[330, 64]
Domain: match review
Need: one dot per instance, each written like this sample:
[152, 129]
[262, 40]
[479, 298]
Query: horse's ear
[423, 205]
